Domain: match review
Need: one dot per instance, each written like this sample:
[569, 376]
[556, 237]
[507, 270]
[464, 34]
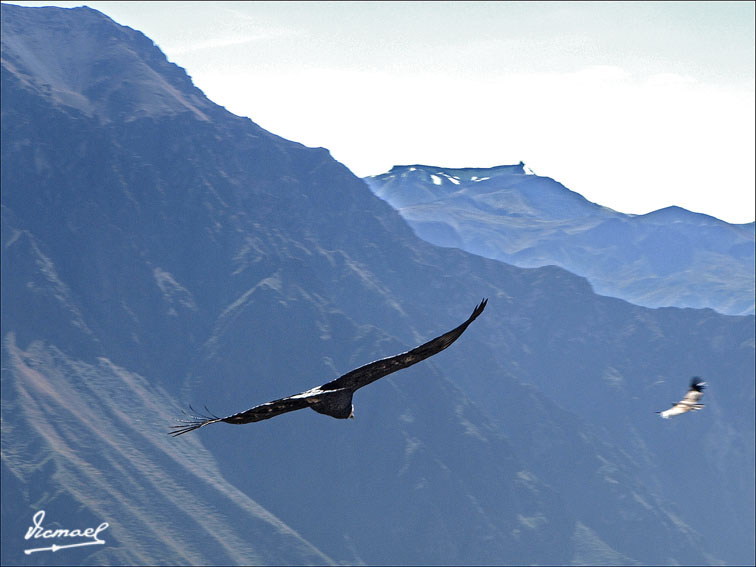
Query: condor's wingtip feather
[196, 421]
[479, 309]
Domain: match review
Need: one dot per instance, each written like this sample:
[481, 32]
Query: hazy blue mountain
[670, 257]
[159, 251]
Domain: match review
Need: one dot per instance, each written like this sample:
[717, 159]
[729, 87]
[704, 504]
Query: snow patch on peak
[454, 179]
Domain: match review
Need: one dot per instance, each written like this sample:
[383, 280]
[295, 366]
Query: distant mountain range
[159, 251]
[670, 257]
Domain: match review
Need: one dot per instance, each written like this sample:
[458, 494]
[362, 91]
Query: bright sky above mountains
[636, 106]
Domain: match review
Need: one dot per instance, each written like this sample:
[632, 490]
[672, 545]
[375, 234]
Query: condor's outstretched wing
[257, 413]
[676, 409]
[371, 372]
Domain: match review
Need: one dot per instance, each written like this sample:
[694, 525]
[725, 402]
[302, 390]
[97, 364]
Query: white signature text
[37, 531]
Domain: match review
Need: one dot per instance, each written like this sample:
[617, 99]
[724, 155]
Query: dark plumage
[335, 398]
[689, 402]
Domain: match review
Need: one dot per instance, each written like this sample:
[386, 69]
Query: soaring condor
[689, 402]
[335, 398]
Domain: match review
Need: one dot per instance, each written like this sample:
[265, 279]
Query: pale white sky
[636, 106]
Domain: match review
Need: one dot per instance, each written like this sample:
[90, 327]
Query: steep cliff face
[160, 251]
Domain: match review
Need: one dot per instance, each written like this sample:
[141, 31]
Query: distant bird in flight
[335, 398]
[689, 402]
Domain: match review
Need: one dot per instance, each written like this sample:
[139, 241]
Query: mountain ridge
[662, 258]
[78, 81]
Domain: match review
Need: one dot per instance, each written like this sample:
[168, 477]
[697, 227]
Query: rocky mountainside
[159, 251]
[670, 257]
